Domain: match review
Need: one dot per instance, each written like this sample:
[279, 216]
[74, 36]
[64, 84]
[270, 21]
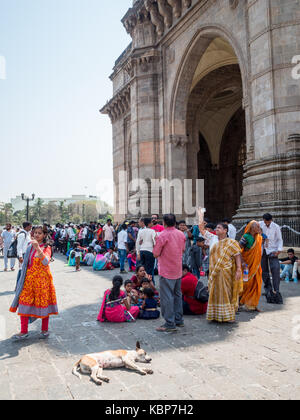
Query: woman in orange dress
[35, 295]
[251, 244]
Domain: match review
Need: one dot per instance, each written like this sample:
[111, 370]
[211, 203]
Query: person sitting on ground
[133, 293]
[148, 284]
[112, 258]
[131, 258]
[140, 274]
[149, 306]
[288, 267]
[89, 258]
[100, 263]
[97, 247]
[191, 306]
[116, 306]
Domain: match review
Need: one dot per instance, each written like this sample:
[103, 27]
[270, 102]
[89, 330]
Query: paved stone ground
[256, 359]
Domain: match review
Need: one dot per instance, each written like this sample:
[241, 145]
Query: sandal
[166, 329]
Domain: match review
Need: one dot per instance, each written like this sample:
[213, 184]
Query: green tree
[63, 212]
[36, 211]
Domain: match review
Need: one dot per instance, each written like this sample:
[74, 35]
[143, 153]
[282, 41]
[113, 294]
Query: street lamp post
[27, 199]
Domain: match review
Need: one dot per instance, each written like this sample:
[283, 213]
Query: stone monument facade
[208, 90]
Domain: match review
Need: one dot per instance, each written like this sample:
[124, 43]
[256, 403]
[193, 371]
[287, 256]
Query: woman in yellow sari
[251, 244]
[225, 276]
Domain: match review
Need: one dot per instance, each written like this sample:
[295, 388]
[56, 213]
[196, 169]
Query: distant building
[19, 204]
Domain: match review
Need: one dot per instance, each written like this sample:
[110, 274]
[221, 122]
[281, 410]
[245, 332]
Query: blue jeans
[287, 271]
[108, 244]
[122, 258]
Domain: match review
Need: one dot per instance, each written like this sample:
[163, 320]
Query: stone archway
[208, 113]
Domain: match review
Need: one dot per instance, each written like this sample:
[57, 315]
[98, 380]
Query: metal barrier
[290, 233]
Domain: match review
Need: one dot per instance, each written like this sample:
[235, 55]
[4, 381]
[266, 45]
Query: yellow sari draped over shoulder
[223, 286]
[252, 289]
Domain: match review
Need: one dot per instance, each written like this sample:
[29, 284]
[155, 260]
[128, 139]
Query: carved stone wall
[161, 84]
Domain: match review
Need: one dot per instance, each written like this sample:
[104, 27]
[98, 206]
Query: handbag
[201, 293]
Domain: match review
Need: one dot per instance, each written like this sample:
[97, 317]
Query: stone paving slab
[258, 358]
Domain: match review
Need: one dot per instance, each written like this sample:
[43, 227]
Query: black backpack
[12, 250]
[201, 293]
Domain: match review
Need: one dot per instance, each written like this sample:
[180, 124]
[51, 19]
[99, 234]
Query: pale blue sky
[59, 55]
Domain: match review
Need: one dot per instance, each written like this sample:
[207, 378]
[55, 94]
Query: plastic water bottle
[246, 274]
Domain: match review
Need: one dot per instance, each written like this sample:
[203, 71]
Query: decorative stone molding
[166, 11]
[151, 57]
[178, 140]
[156, 18]
[177, 8]
[161, 13]
[119, 105]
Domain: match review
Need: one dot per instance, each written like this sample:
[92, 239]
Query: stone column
[272, 168]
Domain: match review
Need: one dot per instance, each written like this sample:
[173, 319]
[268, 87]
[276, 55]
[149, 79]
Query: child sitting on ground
[89, 258]
[134, 295]
[147, 284]
[132, 260]
[148, 308]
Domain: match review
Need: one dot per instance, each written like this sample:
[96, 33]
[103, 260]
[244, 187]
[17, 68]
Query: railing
[290, 233]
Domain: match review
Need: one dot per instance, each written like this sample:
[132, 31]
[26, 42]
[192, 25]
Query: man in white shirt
[71, 235]
[144, 246]
[23, 241]
[231, 229]
[109, 232]
[122, 248]
[8, 236]
[272, 249]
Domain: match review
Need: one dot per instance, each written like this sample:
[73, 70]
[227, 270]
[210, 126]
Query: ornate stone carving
[129, 68]
[145, 60]
[166, 11]
[119, 105]
[177, 7]
[187, 3]
[179, 140]
[156, 18]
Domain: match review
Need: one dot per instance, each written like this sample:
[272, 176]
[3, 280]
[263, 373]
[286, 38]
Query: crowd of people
[182, 257]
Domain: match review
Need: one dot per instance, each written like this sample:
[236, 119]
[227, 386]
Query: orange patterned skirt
[38, 297]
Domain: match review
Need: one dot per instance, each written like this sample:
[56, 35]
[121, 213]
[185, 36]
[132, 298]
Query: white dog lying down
[94, 364]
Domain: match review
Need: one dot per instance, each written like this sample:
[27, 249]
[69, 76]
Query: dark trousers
[269, 263]
[148, 261]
